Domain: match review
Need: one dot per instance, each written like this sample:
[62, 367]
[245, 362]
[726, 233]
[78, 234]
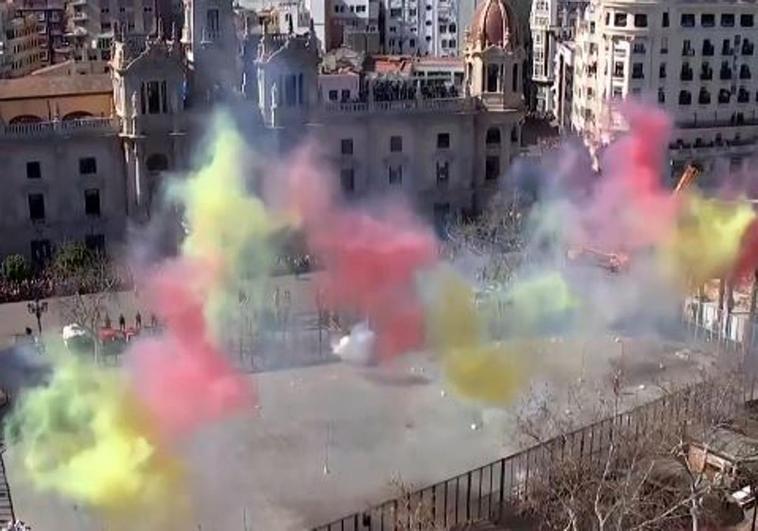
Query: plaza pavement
[327, 440]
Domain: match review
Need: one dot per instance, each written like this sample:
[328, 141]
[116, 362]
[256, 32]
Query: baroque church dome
[494, 24]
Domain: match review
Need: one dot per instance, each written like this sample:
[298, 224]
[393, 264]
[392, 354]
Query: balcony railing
[430, 105]
[58, 127]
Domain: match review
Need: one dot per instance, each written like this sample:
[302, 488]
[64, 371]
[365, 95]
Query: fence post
[502, 488]
[468, 497]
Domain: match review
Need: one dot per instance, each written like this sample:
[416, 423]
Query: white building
[696, 59]
[551, 22]
[421, 27]
[446, 152]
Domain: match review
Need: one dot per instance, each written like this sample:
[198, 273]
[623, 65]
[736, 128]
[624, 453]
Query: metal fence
[482, 493]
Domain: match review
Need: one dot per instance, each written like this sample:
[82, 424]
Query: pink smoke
[630, 207]
[182, 376]
[370, 261]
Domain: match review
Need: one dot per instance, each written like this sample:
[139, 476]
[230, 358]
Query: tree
[15, 268]
[88, 281]
[631, 470]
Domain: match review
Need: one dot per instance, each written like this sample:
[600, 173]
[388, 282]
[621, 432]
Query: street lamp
[36, 309]
[320, 310]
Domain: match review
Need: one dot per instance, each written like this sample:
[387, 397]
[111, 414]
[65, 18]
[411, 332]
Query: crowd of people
[44, 285]
[402, 90]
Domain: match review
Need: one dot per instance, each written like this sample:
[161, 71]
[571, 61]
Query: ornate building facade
[91, 174]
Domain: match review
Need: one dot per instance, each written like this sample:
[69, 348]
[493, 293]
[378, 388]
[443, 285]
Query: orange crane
[616, 262]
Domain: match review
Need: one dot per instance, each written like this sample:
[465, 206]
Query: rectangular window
[395, 174]
[619, 20]
[212, 24]
[87, 166]
[618, 69]
[637, 72]
[95, 243]
[395, 12]
[290, 90]
[443, 172]
[347, 179]
[36, 207]
[92, 202]
[640, 20]
[638, 47]
[153, 97]
[33, 170]
[443, 140]
[333, 95]
[345, 95]
[727, 20]
[491, 168]
[662, 71]
[665, 21]
[346, 146]
[708, 20]
[164, 103]
[688, 20]
[396, 144]
[746, 21]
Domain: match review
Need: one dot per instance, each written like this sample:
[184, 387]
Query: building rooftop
[41, 87]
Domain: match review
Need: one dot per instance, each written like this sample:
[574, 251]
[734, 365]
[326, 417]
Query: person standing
[121, 322]
[138, 321]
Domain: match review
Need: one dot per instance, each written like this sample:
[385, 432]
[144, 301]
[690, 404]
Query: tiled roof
[41, 86]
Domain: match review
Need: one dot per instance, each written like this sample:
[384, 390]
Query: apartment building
[19, 43]
[695, 59]
[51, 26]
[551, 22]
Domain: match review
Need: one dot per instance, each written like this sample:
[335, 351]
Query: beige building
[92, 176]
[695, 59]
[50, 16]
[19, 43]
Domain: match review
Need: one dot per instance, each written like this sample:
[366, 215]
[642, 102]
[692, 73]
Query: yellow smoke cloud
[229, 228]
[82, 436]
[476, 368]
[706, 241]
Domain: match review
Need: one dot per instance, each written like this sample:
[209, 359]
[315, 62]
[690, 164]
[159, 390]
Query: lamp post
[36, 309]
[320, 310]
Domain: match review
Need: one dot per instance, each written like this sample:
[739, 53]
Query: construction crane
[617, 262]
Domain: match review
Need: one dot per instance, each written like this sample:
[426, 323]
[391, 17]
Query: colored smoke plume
[706, 240]
[85, 436]
[106, 437]
[182, 376]
[371, 261]
[476, 367]
[229, 228]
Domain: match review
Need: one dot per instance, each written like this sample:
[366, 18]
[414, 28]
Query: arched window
[685, 98]
[704, 97]
[493, 136]
[493, 72]
[25, 119]
[77, 115]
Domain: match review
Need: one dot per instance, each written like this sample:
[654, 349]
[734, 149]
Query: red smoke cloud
[182, 376]
[370, 261]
